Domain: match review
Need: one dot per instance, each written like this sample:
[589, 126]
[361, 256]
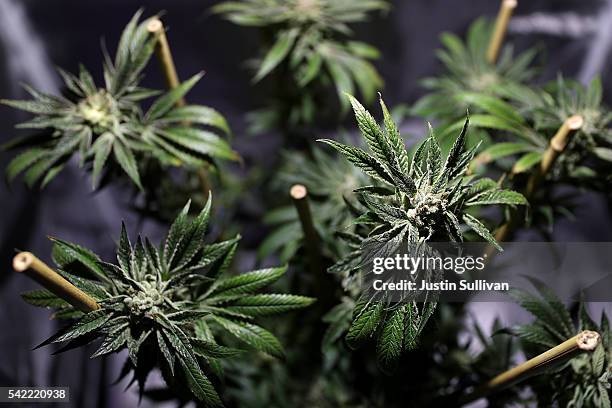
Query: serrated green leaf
[200, 141]
[364, 324]
[368, 164]
[197, 114]
[501, 197]
[126, 160]
[479, 228]
[276, 54]
[248, 282]
[164, 103]
[43, 298]
[253, 335]
[390, 341]
[526, 162]
[269, 304]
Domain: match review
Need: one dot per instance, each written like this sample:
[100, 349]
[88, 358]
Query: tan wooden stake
[555, 148]
[299, 195]
[162, 49]
[37, 270]
[499, 32]
[164, 55]
[585, 341]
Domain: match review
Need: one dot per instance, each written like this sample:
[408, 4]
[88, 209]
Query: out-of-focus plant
[583, 381]
[421, 199]
[468, 73]
[168, 305]
[537, 116]
[526, 132]
[330, 183]
[107, 126]
[307, 48]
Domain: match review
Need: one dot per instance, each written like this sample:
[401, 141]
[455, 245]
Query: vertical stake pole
[499, 32]
[164, 55]
[162, 49]
[299, 195]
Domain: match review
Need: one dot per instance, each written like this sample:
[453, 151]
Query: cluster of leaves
[309, 49]
[419, 200]
[531, 121]
[97, 121]
[168, 305]
[467, 72]
[583, 381]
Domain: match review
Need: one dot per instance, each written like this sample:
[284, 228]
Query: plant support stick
[499, 32]
[162, 49]
[36, 269]
[585, 341]
[299, 195]
[555, 148]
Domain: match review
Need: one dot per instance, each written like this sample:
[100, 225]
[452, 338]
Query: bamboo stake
[585, 341]
[299, 195]
[162, 49]
[555, 148]
[37, 270]
[166, 61]
[499, 32]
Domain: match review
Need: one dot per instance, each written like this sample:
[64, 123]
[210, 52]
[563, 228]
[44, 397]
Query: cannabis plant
[169, 305]
[584, 381]
[564, 98]
[308, 47]
[530, 120]
[426, 198]
[107, 126]
[468, 73]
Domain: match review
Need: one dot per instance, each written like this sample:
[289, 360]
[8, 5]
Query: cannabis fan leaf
[106, 125]
[168, 305]
[422, 199]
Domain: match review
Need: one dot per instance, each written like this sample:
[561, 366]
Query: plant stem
[499, 32]
[37, 270]
[585, 341]
[299, 195]
[164, 55]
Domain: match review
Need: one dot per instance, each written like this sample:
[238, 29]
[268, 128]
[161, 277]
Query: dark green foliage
[106, 125]
[420, 199]
[583, 381]
[309, 47]
[168, 305]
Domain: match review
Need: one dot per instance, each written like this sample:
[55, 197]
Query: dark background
[36, 35]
